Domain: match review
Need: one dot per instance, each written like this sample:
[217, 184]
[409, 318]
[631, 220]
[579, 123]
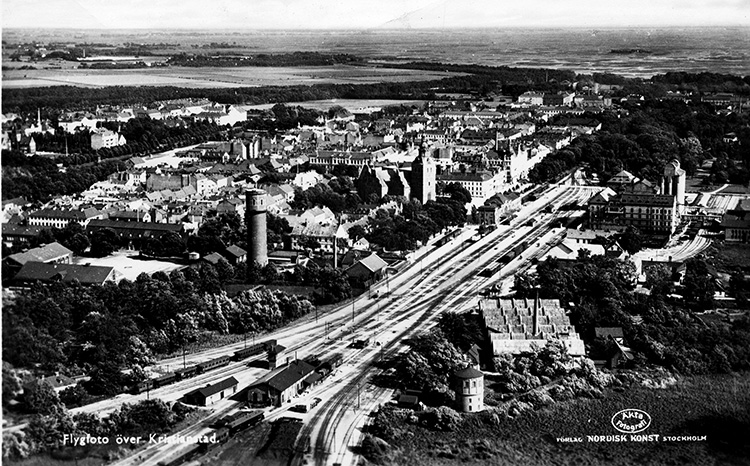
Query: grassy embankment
[715, 406]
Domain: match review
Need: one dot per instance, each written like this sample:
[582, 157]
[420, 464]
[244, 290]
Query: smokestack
[335, 252]
[536, 313]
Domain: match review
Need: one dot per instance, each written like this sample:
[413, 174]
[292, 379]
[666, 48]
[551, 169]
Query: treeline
[648, 137]
[101, 330]
[262, 59]
[77, 98]
[657, 329]
[38, 178]
[502, 74]
[142, 135]
[705, 81]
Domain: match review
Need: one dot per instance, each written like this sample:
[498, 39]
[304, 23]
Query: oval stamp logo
[631, 421]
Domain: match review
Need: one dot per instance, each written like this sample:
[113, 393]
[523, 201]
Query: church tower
[423, 177]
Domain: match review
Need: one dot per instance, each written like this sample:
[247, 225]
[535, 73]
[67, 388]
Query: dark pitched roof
[215, 388]
[235, 251]
[65, 214]
[213, 258]
[468, 373]
[312, 378]
[143, 226]
[408, 400]
[86, 274]
[14, 229]
[292, 374]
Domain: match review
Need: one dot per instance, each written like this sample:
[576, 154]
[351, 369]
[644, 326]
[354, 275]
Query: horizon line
[378, 28]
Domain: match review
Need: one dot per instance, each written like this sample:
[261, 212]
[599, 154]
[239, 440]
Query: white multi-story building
[106, 138]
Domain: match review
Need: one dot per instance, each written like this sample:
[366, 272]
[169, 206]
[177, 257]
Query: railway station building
[283, 386]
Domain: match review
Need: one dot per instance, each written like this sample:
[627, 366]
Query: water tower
[255, 217]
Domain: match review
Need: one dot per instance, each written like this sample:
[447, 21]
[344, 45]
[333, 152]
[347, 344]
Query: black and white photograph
[375, 233]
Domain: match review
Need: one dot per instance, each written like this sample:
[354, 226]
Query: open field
[127, 265]
[215, 77]
[713, 406]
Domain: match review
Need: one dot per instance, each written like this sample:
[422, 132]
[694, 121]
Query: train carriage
[187, 372]
[257, 348]
[245, 420]
[213, 364]
[143, 386]
[165, 380]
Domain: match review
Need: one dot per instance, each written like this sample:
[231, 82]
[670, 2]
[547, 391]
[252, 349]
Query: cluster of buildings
[629, 201]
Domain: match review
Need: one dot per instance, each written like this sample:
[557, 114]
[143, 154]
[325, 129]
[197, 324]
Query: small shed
[410, 402]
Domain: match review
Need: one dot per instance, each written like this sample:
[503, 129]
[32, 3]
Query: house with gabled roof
[53, 253]
[33, 272]
[212, 393]
[235, 254]
[369, 268]
[282, 386]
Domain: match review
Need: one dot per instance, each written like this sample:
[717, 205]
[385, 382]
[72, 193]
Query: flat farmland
[214, 77]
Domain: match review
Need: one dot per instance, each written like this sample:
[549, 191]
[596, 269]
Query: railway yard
[446, 279]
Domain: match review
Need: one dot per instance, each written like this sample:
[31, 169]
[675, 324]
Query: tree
[172, 244]
[457, 192]
[462, 330]
[41, 398]
[631, 240]
[699, 285]
[270, 273]
[430, 364]
[152, 247]
[11, 384]
[78, 243]
[46, 431]
[356, 232]
[104, 242]
[224, 270]
[15, 446]
[74, 396]
[335, 285]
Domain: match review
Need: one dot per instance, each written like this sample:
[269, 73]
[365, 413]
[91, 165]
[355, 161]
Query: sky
[369, 14]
